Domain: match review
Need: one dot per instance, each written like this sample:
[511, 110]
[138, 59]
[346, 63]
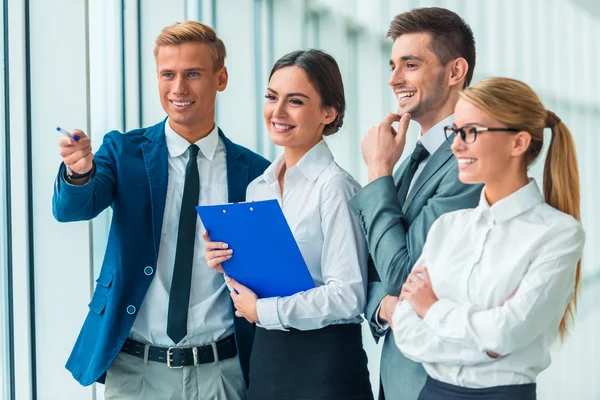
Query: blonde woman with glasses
[496, 284]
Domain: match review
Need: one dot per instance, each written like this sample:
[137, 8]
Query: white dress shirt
[210, 316]
[477, 259]
[315, 205]
[431, 140]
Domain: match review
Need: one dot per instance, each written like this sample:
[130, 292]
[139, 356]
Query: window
[6, 384]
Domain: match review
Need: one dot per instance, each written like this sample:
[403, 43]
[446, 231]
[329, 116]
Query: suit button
[130, 310]
[148, 270]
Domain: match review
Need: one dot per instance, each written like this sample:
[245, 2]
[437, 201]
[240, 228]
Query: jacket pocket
[100, 297]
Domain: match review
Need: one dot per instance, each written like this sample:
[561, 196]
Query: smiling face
[293, 112]
[493, 156]
[188, 85]
[418, 79]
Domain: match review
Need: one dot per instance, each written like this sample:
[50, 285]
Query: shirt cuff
[384, 326]
[268, 314]
[437, 312]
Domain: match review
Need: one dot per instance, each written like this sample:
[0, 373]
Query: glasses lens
[470, 135]
[449, 132]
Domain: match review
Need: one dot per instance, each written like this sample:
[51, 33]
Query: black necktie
[179, 296]
[419, 154]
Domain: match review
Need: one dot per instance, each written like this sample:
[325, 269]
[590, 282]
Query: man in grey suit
[432, 59]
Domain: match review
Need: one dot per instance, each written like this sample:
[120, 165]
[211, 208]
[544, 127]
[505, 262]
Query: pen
[67, 133]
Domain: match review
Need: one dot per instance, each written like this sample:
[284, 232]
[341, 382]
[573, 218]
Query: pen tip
[58, 128]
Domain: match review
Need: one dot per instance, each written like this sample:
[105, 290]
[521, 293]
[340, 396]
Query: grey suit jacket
[396, 234]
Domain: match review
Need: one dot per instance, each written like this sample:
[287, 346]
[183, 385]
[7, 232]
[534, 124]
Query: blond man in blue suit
[161, 324]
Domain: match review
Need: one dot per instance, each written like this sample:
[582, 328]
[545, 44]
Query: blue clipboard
[266, 257]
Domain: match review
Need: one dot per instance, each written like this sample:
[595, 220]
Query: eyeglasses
[469, 133]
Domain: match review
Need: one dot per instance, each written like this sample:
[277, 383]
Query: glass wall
[91, 66]
[6, 385]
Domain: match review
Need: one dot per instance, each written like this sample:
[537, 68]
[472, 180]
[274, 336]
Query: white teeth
[282, 127]
[406, 95]
[466, 160]
[182, 104]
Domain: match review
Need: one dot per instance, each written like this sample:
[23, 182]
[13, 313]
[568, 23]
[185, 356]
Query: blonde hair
[192, 31]
[516, 105]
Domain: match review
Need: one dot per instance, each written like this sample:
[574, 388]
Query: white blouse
[477, 259]
[315, 205]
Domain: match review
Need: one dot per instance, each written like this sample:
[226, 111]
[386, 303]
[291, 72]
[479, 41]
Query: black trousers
[327, 364]
[436, 390]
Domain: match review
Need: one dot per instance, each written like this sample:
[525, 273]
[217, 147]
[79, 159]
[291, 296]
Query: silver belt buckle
[169, 351]
[195, 353]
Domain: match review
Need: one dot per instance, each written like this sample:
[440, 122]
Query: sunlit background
[89, 64]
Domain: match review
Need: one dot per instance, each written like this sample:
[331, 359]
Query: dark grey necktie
[419, 154]
[179, 296]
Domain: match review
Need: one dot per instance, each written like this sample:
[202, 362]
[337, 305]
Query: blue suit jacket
[131, 177]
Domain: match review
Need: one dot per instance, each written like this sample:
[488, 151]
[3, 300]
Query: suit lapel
[155, 156]
[237, 171]
[155, 160]
[439, 158]
[400, 173]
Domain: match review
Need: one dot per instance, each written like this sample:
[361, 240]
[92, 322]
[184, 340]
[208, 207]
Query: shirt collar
[177, 145]
[435, 136]
[311, 165]
[515, 204]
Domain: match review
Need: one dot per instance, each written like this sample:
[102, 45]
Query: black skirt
[436, 390]
[327, 364]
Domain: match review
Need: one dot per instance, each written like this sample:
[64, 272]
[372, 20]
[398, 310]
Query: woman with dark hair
[308, 345]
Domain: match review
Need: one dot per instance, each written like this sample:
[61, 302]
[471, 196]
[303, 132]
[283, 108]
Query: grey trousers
[130, 378]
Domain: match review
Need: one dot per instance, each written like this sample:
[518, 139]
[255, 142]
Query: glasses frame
[472, 130]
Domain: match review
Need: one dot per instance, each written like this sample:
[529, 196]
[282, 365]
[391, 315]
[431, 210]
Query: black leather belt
[179, 357]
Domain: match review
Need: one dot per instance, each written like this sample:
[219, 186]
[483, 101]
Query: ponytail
[561, 191]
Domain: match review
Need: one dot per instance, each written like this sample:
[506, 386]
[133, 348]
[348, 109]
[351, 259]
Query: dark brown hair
[451, 36]
[324, 74]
